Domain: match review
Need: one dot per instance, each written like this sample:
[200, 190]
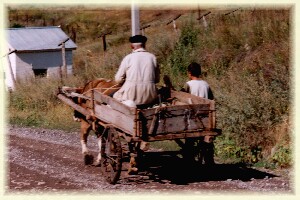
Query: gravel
[40, 160]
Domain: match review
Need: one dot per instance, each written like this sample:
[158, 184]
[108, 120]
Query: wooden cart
[187, 117]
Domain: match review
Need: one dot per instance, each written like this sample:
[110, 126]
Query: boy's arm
[210, 94]
[157, 74]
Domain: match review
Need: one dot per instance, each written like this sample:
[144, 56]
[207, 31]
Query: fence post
[203, 17]
[73, 34]
[63, 52]
[143, 28]
[174, 22]
[103, 35]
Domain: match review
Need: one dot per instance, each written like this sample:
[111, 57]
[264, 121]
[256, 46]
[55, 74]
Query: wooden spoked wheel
[111, 150]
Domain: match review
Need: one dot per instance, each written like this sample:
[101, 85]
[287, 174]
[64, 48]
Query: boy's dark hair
[195, 69]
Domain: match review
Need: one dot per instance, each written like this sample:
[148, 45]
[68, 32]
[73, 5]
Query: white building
[36, 51]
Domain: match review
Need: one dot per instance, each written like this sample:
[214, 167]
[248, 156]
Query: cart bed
[188, 116]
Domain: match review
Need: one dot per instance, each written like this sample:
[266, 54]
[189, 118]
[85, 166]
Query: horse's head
[107, 87]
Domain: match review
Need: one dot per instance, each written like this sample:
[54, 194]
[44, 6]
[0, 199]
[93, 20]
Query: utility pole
[135, 19]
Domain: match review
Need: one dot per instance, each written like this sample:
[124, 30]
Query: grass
[245, 58]
[167, 145]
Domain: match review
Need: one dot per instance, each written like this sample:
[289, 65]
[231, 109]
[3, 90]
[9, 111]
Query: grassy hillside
[245, 57]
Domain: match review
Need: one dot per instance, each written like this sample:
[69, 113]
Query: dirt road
[40, 160]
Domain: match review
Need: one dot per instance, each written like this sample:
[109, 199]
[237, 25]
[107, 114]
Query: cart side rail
[192, 99]
[179, 135]
[113, 103]
[72, 104]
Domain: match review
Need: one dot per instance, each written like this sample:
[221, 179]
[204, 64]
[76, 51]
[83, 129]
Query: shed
[35, 51]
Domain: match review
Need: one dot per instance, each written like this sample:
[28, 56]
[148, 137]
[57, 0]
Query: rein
[105, 89]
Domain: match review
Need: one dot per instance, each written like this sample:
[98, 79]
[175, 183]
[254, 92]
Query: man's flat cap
[138, 39]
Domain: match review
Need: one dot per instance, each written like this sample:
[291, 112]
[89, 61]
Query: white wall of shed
[23, 70]
[45, 60]
[52, 61]
[23, 64]
[10, 71]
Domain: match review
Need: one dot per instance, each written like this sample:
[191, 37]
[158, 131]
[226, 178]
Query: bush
[182, 54]
[282, 156]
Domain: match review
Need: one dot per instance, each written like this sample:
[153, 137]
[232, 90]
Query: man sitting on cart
[138, 72]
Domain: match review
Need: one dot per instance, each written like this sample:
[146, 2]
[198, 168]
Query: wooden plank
[178, 124]
[176, 119]
[73, 105]
[115, 104]
[181, 135]
[212, 116]
[177, 109]
[188, 98]
[107, 114]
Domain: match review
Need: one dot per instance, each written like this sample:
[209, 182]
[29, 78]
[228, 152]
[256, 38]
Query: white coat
[139, 72]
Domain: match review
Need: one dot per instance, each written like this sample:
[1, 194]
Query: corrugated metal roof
[38, 38]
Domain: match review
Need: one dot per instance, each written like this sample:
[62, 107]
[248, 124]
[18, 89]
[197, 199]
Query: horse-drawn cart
[186, 117]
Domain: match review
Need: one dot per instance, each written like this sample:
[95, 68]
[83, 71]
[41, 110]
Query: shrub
[182, 54]
[282, 156]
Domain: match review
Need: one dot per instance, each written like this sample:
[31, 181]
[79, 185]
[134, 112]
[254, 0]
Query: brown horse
[88, 123]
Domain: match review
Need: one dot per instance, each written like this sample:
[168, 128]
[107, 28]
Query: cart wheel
[197, 151]
[111, 151]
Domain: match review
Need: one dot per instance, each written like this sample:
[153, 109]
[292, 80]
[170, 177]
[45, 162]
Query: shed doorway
[40, 72]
